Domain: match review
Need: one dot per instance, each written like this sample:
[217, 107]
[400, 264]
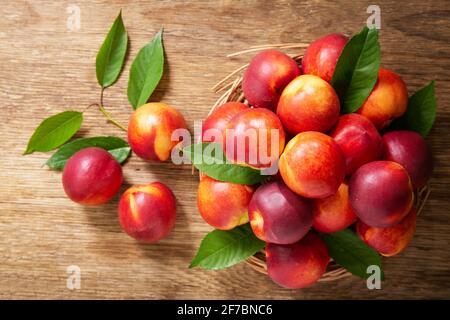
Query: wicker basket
[231, 90]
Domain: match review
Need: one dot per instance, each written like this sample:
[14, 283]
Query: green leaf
[112, 53]
[356, 70]
[348, 250]
[117, 147]
[421, 112]
[222, 249]
[146, 71]
[54, 131]
[209, 158]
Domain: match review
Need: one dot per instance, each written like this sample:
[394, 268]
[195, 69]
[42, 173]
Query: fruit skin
[333, 213]
[150, 130]
[277, 215]
[312, 165]
[268, 73]
[254, 120]
[219, 119]
[147, 212]
[92, 176]
[297, 265]
[392, 240]
[223, 205]
[358, 139]
[387, 101]
[321, 56]
[308, 103]
[409, 149]
[381, 193]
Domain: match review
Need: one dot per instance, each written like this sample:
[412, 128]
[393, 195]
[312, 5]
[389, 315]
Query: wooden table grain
[46, 67]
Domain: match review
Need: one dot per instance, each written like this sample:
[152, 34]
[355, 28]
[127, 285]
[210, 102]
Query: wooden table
[46, 68]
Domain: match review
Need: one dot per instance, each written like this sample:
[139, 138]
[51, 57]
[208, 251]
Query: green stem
[107, 115]
[110, 119]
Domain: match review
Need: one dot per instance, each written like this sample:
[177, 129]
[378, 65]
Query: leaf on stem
[111, 56]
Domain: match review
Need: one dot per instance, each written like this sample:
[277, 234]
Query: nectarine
[333, 213]
[381, 193]
[312, 165]
[267, 75]
[147, 212]
[412, 151]
[391, 240]
[308, 103]
[254, 137]
[297, 265]
[321, 56]
[150, 130]
[92, 176]
[387, 101]
[278, 215]
[215, 124]
[223, 205]
[358, 139]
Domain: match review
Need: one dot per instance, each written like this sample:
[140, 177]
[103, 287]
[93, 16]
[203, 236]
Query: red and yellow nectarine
[147, 212]
[387, 101]
[254, 137]
[391, 240]
[215, 124]
[312, 165]
[308, 103]
[333, 213]
[150, 130]
[223, 205]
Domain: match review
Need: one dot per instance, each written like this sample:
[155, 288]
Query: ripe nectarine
[267, 75]
[297, 265]
[308, 103]
[147, 212]
[381, 193]
[150, 130]
[215, 124]
[333, 213]
[254, 137]
[391, 240]
[223, 205]
[278, 215]
[321, 56]
[358, 139]
[92, 176]
[412, 151]
[312, 165]
[387, 101]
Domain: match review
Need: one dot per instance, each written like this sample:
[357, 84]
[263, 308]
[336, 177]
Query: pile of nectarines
[336, 171]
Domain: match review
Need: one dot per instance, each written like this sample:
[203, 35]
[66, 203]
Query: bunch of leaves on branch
[146, 71]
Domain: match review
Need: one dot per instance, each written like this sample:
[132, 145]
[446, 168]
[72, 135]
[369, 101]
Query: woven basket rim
[231, 89]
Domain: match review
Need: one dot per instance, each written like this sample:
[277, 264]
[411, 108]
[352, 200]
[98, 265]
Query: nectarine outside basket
[231, 89]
